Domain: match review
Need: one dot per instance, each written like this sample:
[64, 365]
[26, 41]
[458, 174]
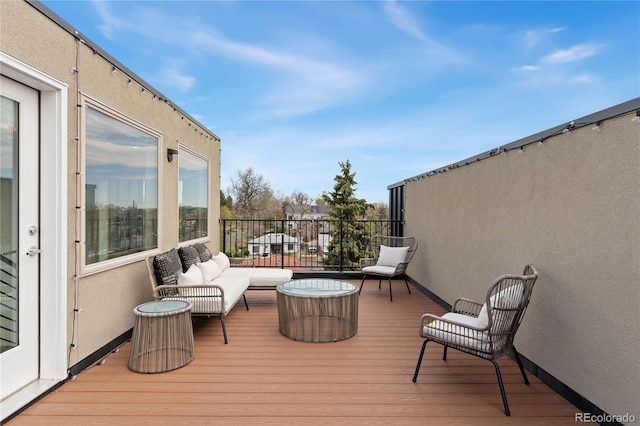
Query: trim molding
[100, 353]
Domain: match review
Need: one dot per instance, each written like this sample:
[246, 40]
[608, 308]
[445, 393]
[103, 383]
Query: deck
[262, 377]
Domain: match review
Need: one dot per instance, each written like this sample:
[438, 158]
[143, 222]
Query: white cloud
[173, 77]
[110, 24]
[308, 84]
[534, 38]
[585, 78]
[553, 69]
[381, 152]
[302, 84]
[402, 19]
[573, 54]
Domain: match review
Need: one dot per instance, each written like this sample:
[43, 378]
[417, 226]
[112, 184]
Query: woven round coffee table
[317, 310]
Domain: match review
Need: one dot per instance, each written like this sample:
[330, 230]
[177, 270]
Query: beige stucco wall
[106, 299]
[571, 207]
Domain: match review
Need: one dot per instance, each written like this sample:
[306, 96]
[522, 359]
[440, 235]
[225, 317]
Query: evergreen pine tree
[349, 238]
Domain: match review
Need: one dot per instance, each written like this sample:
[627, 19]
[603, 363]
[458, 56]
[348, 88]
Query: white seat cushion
[461, 335]
[260, 277]
[234, 288]
[387, 271]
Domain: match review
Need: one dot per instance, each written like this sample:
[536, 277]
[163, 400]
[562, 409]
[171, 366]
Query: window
[193, 196]
[121, 185]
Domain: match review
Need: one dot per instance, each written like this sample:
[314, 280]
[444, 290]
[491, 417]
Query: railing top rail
[317, 244]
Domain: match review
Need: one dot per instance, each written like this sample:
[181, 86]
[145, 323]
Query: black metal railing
[301, 244]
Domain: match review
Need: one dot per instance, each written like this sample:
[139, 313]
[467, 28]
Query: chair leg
[390, 293]
[245, 302]
[444, 353]
[224, 329]
[415, 375]
[407, 283]
[364, 277]
[517, 357]
[502, 392]
[379, 284]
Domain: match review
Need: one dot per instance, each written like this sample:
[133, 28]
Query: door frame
[53, 220]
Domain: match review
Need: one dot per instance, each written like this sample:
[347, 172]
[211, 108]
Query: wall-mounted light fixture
[596, 127]
[170, 153]
[636, 117]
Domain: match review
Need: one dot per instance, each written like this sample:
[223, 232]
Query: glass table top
[162, 306]
[317, 287]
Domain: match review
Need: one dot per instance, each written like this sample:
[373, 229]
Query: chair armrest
[191, 291]
[448, 325]
[242, 261]
[401, 267]
[428, 318]
[466, 307]
[367, 261]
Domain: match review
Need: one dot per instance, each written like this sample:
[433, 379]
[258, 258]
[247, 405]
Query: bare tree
[251, 193]
[297, 204]
[272, 206]
[379, 211]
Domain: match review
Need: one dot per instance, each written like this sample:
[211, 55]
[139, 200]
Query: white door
[19, 236]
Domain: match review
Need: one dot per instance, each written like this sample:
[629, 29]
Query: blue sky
[398, 88]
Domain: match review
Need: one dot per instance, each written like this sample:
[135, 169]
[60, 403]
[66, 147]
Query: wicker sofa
[208, 282]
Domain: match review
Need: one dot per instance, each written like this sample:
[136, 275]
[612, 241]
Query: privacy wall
[570, 205]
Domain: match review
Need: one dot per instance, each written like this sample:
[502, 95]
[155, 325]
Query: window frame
[89, 102]
[183, 147]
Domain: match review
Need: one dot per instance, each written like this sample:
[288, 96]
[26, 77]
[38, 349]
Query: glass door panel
[8, 224]
[19, 237]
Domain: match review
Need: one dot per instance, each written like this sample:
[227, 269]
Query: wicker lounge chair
[391, 257]
[484, 330]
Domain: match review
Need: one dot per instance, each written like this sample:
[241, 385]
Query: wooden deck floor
[263, 378]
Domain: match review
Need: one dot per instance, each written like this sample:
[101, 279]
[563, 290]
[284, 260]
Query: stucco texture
[105, 300]
[571, 207]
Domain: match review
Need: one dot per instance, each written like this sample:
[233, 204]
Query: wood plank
[262, 377]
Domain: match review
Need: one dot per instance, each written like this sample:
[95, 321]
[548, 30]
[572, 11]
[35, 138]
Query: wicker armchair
[484, 330]
[391, 257]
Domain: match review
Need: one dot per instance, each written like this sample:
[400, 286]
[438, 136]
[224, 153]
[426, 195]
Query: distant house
[305, 222]
[307, 213]
[320, 245]
[273, 243]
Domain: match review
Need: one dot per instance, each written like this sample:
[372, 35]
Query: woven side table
[162, 337]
